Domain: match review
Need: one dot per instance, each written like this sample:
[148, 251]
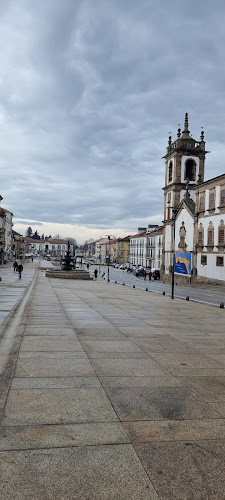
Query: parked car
[156, 274]
[122, 266]
[139, 271]
[116, 266]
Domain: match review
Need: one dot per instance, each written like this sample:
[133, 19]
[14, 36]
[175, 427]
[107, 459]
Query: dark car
[139, 271]
[156, 274]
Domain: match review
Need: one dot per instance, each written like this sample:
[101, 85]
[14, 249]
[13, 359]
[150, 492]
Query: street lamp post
[108, 259]
[175, 210]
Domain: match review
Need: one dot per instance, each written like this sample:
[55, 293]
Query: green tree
[36, 236]
[29, 232]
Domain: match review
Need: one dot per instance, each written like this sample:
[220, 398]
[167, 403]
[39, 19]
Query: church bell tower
[185, 165]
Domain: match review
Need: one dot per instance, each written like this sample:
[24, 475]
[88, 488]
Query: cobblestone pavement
[112, 393]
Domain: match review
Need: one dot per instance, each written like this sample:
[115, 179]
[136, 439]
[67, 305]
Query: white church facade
[194, 214]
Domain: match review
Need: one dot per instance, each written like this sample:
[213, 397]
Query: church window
[190, 170]
[221, 236]
[211, 200]
[202, 203]
[170, 175]
[219, 261]
[204, 260]
[200, 238]
[210, 237]
[222, 197]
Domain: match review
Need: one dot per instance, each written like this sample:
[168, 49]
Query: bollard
[146, 289]
[187, 298]
[221, 305]
[164, 293]
[133, 286]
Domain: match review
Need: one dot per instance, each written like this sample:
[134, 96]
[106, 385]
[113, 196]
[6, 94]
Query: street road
[207, 294]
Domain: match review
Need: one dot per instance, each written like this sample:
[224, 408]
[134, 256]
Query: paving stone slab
[127, 367]
[198, 372]
[183, 471]
[162, 403]
[219, 407]
[44, 406]
[50, 344]
[55, 436]
[209, 388]
[89, 473]
[163, 343]
[152, 381]
[53, 367]
[54, 382]
[50, 330]
[117, 355]
[175, 430]
[111, 346]
[140, 332]
[53, 355]
[180, 360]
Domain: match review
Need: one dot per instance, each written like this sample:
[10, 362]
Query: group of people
[149, 274]
[19, 268]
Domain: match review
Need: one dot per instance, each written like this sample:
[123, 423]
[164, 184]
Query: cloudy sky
[89, 90]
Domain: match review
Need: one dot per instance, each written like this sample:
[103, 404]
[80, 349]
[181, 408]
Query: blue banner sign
[182, 263]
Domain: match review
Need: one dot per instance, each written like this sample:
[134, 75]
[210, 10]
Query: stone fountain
[69, 270]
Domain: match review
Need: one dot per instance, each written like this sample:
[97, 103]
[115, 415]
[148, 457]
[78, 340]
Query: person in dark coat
[20, 270]
[150, 273]
[96, 273]
[15, 265]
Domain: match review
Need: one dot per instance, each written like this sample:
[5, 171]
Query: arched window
[221, 233]
[201, 235]
[210, 239]
[170, 173]
[190, 170]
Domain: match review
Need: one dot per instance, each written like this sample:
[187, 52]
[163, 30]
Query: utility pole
[175, 211]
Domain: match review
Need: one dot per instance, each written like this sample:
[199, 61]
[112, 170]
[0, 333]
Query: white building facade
[50, 247]
[146, 248]
[6, 236]
[210, 230]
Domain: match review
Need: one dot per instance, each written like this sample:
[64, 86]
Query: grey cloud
[89, 91]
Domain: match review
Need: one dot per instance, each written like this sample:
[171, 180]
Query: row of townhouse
[146, 247]
[7, 243]
[108, 249]
[55, 248]
[11, 242]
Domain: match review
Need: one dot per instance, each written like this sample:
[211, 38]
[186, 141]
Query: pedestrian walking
[20, 270]
[15, 265]
[150, 274]
[96, 273]
[145, 274]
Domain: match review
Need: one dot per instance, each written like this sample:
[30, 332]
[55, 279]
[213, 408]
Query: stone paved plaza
[111, 393]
